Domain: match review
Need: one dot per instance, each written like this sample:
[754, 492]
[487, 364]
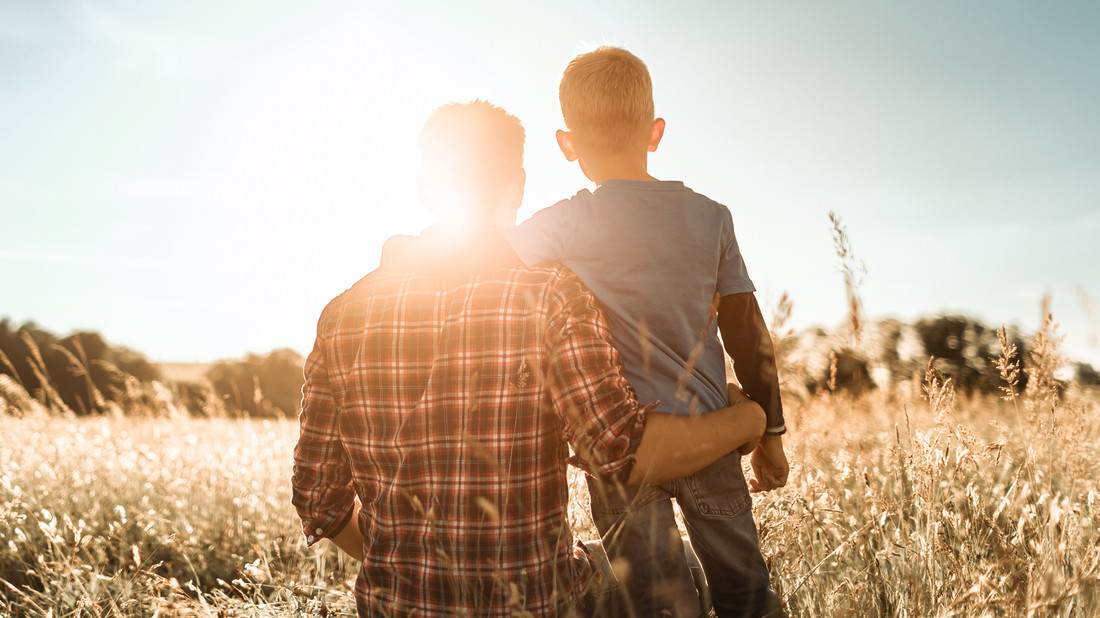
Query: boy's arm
[749, 344]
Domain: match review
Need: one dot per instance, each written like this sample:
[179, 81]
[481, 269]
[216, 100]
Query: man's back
[446, 394]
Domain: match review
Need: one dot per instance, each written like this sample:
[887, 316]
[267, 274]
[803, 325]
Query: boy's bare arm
[676, 446]
[749, 344]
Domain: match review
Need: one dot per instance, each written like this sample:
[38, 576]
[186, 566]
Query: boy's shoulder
[581, 198]
[688, 194]
[662, 194]
[557, 216]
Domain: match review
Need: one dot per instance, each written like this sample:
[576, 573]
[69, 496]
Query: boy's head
[472, 155]
[607, 101]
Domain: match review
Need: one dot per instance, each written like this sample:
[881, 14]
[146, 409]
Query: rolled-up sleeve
[601, 414]
[321, 481]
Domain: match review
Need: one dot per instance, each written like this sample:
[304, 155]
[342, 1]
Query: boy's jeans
[638, 524]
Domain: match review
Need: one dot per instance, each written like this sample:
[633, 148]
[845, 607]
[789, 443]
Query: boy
[664, 261]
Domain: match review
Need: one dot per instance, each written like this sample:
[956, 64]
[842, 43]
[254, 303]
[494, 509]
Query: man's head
[607, 101]
[472, 155]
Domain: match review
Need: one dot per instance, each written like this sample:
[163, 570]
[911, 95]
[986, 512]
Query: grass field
[898, 505]
[124, 516]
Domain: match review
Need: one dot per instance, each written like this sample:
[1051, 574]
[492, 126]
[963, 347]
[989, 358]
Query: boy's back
[655, 254]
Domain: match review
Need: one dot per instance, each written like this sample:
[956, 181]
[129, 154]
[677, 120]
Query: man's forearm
[676, 446]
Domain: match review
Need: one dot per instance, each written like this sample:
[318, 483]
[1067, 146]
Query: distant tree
[847, 371]
[199, 399]
[964, 350]
[1086, 375]
[895, 351]
[260, 385]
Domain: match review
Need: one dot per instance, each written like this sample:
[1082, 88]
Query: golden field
[908, 501]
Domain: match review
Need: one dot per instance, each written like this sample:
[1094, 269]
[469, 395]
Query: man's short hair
[476, 147]
[606, 99]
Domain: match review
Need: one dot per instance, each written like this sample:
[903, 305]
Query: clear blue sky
[196, 179]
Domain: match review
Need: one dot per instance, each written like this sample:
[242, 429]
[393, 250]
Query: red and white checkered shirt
[446, 404]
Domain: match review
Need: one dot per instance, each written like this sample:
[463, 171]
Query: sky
[196, 180]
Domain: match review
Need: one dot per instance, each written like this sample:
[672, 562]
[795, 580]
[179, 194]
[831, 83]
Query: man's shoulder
[357, 290]
[381, 281]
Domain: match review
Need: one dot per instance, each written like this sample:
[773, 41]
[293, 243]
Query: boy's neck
[621, 166]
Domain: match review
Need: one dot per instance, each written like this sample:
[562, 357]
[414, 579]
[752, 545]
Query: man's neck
[622, 166]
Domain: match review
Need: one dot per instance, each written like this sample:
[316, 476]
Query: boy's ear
[565, 142]
[657, 133]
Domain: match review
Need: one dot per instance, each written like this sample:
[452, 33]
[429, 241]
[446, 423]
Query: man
[444, 392]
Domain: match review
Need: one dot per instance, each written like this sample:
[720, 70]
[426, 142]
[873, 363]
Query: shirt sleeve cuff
[325, 527]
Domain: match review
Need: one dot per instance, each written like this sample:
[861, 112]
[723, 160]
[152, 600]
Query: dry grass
[125, 516]
[933, 506]
[941, 510]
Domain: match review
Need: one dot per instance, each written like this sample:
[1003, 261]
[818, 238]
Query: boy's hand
[769, 465]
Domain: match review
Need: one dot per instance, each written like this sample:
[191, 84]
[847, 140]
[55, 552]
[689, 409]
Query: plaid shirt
[446, 405]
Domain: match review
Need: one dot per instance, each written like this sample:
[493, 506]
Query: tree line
[83, 374]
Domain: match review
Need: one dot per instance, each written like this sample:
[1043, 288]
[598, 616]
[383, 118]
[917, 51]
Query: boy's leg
[638, 527]
[717, 510]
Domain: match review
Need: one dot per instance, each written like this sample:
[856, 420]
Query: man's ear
[565, 142]
[657, 133]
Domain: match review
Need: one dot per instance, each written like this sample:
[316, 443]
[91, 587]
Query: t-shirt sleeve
[733, 276]
[543, 237]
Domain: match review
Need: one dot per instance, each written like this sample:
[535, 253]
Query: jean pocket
[720, 490]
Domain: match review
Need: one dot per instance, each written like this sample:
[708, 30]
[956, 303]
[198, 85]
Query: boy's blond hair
[606, 99]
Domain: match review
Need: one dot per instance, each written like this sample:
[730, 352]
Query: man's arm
[612, 434]
[350, 538]
[749, 344]
[321, 483]
[676, 446]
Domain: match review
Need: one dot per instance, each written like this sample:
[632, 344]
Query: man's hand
[737, 396]
[769, 465]
[350, 539]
